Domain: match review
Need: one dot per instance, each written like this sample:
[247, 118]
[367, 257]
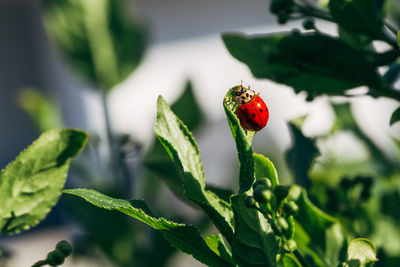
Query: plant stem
[301, 259]
[39, 263]
[117, 163]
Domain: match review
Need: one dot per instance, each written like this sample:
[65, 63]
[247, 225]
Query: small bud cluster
[273, 203]
[283, 9]
[57, 256]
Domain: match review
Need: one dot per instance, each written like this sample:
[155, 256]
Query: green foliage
[157, 160]
[183, 150]
[243, 140]
[96, 37]
[307, 62]
[300, 156]
[361, 252]
[358, 16]
[43, 112]
[395, 116]
[254, 243]
[184, 237]
[31, 185]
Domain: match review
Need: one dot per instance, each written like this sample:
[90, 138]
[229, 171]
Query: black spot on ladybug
[260, 110]
[246, 109]
[247, 94]
[253, 115]
[243, 97]
[258, 101]
[266, 110]
[242, 101]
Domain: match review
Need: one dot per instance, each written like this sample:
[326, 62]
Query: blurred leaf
[361, 253]
[184, 237]
[301, 155]
[42, 111]
[243, 141]
[398, 38]
[346, 121]
[356, 41]
[96, 37]
[254, 243]
[183, 150]
[316, 231]
[222, 193]
[395, 116]
[360, 16]
[187, 108]
[31, 185]
[307, 62]
[265, 168]
[290, 261]
[216, 243]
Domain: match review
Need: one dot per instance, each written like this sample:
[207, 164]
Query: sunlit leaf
[31, 185]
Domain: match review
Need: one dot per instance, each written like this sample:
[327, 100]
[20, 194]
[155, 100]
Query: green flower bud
[290, 208]
[262, 182]
[55, 258]
[290, 245]
[64, 247]
[283, 223]
[309, 24]
[281, 192]
[276, 227]
[262, 195]
[250, 202]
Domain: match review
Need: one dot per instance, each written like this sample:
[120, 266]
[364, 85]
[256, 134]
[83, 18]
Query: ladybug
[252, 111]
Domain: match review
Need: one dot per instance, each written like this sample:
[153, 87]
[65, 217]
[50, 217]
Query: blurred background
[178, 54]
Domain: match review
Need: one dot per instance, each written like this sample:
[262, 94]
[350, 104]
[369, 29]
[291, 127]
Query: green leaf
[300, 156]
[265, 168]
[395, 116]
[290, 261]
[96, 37]
[243, 141]
[254, 243]
[216, 243]
[31, 185]
[158, 160]
[43, 112]
[184, 237]
[398, 38]
[316, 232]
[307, 62]
[183, 150]
[361, 253]
[360, 16]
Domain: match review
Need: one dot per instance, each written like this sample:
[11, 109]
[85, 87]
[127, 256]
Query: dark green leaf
[316, 232]
[184, 237]
[360, 16]
[265, 168]
[31, 185]
[301, 155]
[254, 243]
[307, 62]
[398, 38]
[43, 112]
[96, 37]
[183, 150]
[395, 116]
[243, 141]
[216, 243]
[361, 253]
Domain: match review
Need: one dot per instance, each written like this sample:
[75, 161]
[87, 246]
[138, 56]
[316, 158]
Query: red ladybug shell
[253, 116]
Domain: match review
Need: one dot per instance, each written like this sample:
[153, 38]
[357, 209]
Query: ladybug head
[240, 90]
